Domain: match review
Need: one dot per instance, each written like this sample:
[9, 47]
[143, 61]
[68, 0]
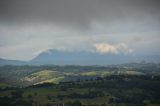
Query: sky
[29, 27]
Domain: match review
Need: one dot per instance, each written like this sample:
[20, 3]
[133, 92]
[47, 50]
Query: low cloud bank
[105, 48]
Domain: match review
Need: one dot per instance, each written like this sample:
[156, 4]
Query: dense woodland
[118, 90]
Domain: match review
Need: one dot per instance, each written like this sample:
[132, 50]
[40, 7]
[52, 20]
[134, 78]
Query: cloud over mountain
[105, 48]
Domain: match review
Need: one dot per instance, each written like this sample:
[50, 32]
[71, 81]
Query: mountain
[56, 57]
[88, 58]
[11, 62]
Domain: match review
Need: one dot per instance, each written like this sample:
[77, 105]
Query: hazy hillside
[56, 57]
[12, 62]
[88, 58]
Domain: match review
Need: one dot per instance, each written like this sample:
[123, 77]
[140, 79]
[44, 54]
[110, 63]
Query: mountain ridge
[57, 57]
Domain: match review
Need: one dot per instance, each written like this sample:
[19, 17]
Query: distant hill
[11, 62]
[55, 57]
[88, 58]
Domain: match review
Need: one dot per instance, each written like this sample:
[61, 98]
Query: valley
[30, 75]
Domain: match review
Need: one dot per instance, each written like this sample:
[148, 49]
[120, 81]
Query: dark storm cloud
[77, 13]
[28, 27]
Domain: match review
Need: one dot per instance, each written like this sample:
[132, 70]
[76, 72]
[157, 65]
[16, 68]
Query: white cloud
[105, 48]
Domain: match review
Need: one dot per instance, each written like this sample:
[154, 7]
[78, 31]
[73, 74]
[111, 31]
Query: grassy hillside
[29, 75]
[44, 76]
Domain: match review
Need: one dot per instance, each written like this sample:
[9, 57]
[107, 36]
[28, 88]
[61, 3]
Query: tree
[29, 96]
[77, 103]
[17, 94]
